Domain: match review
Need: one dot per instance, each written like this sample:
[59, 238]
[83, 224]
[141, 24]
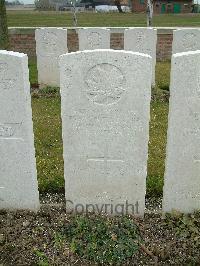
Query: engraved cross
[105, 159]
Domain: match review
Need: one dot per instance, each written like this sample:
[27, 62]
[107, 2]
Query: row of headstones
[52, 42]
[105, 123]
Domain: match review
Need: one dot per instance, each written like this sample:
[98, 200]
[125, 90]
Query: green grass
[48, 143]
[163, 75]
[48, 140]
[33, 74]
[64, 19]
[157, 146]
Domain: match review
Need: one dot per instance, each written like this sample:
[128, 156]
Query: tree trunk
[4, 41]
[75, 21]
[149, 13]
[118, 4]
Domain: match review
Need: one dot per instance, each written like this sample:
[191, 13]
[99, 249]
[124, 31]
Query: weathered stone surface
[50, 44]
[185, 40]
[105, 114]
[142, 40]
[94, 38]
[18, 177]
[182, 175]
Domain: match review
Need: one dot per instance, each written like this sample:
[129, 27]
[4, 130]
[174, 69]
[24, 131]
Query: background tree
[75, 20]
[119, 7]
[4, 40]
[42, 5]
[149, 13]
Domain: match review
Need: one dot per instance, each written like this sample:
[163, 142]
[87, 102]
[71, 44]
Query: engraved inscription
[7, 84]
[3, 69]
[68, 77]
[94, 39]
[187, 192]
[189, 41]
[105, 84]
[49, 42]
[194, 108]
[102, 123]
[8, 130]
[140, 39]
[195, 132]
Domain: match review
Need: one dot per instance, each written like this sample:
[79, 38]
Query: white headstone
[182, 174]
[105, 114]
[142, 40]
[18, 177]
[185, 40]
[50, 44]
[94, 38]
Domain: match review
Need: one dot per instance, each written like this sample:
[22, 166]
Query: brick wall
[23, 40]
[164, 46]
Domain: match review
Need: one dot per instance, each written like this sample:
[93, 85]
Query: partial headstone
[18, 177]
[94, 38]
[185, 40]
[50, 44]
[105, 114]
[142, 40]
[182, 174]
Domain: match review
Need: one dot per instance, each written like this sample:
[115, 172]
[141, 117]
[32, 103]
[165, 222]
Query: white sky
[24, 1]
[32, 1]
[28, 1]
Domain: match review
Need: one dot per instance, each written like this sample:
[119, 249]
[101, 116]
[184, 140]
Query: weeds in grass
[42, 258]
[103, 240]
[187, 226]
[154, 186]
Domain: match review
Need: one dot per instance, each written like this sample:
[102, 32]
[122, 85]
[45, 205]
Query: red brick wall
[137, 6]
[25, 42]
[164, 46]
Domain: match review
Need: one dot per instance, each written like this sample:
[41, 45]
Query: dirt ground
[27, 238]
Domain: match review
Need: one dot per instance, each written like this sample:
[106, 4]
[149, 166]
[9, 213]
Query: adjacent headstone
[105, 114]
[142, 40]
[94, 38]
[50, 44]
[185, 40]
[182, 174]
[18, 177]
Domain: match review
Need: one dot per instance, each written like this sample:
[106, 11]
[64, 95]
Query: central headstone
[50, 44]
[18, 177]
[94, 38]
[105, 112]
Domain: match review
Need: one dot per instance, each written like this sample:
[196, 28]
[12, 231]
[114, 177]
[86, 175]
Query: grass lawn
[48, 140]
[64, 19]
